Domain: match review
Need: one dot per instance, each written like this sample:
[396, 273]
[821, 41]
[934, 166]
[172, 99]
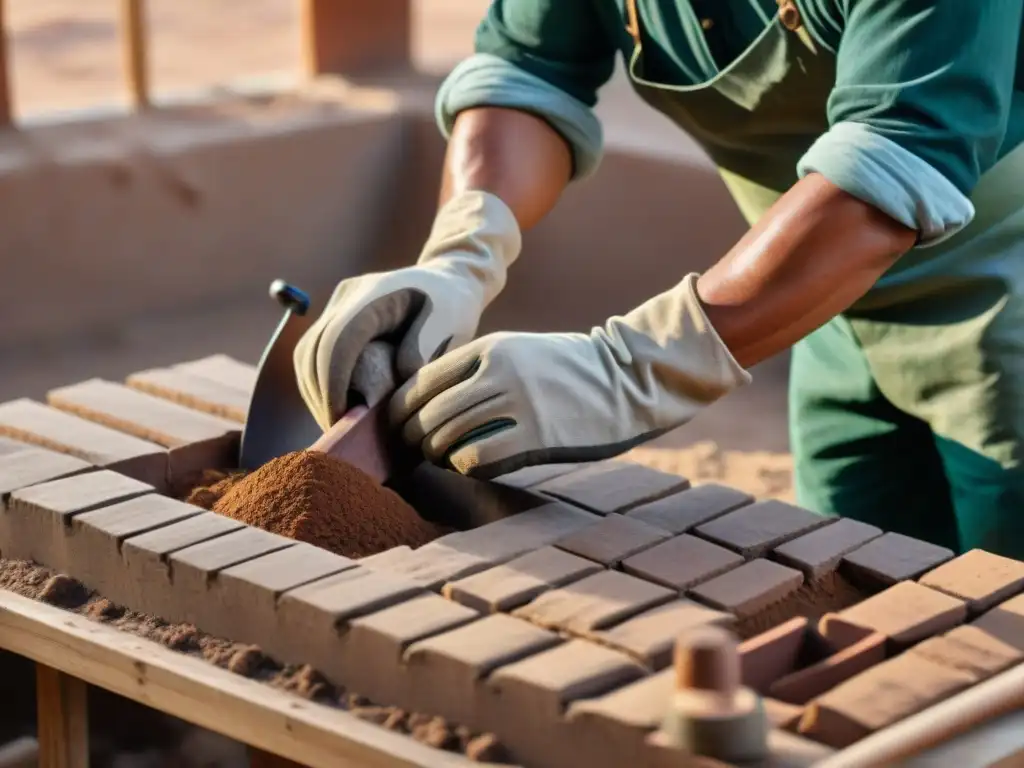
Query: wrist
[671, 338]
[477, 222]
[475, 237]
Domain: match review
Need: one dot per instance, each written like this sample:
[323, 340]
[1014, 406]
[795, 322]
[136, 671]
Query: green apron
[908, 410]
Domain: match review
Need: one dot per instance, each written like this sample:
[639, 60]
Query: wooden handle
[361, 437]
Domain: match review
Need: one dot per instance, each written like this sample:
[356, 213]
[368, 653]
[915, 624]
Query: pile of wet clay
[315, 498]
[62, 591]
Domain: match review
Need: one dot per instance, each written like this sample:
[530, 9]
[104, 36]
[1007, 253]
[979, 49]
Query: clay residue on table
[62, 591]
[831, 592]
[315, 498]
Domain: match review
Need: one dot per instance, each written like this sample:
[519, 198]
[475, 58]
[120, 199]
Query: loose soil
[764, 474]
[315, 498]
[62, 591]
[832, 592]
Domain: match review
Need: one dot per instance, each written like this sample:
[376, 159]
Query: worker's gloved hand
[423, 310]
[509, 400]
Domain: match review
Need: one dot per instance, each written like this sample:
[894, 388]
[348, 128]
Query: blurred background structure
[164, 160]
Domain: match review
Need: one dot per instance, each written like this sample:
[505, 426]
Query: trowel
[278, 422]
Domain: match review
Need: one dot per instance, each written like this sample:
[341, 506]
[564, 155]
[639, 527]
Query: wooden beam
[355, 37]
[135, 51]
[5, 70]
[213, 698]
[62, 719]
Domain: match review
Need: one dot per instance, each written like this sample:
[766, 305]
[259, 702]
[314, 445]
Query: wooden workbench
[551, 628]
[71, 651]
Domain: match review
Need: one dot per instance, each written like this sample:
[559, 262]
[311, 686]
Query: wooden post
[5, 71]
[135, 51]
[355, 37]
[62, 719]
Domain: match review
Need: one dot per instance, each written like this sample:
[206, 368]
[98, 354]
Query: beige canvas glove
[509, 400]
[423, 310]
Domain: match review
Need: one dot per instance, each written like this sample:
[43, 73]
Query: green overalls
[907, 411]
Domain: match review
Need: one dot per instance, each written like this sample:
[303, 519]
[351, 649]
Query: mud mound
[312, 497]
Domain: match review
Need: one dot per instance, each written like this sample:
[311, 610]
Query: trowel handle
[363, 436]
[293, 299]
[363, 439]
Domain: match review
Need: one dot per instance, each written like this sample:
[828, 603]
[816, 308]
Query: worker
[875, 148]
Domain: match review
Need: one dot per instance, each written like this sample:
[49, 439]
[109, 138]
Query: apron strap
[633, 21]
[998, 193]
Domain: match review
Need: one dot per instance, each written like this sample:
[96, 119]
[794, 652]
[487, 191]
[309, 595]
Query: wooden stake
[135, 51]
[63, 722]
[5, 71]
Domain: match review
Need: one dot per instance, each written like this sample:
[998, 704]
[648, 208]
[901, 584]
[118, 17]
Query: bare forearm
[807, 260]
[513, 155]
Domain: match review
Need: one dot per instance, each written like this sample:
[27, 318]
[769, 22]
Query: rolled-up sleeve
[920, 106]
[546, 57]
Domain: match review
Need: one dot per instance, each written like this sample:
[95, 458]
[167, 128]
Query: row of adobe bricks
[609, 573]
[379, 627]
[161, 426]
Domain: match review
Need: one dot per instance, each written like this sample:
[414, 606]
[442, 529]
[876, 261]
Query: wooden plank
[135, 51]
[208, 696]
[5, 70]
[63, 719]
[347, 36]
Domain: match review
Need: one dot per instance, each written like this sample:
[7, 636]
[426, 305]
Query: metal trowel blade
[278, 421]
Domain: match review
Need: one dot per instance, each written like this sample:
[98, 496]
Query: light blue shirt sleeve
[921, 105]
[485, 80]
[877, 170]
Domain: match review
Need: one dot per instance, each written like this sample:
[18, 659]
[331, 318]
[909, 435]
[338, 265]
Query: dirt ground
[66, 56]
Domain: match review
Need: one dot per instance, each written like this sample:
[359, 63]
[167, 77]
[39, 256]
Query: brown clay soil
[764, 474]
[62, 591]
[830, 593]
[320, 500]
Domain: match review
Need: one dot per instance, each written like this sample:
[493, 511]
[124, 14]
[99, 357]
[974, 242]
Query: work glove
[423, 310]
[509, 400]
